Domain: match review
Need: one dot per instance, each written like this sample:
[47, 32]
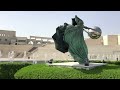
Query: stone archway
[39, 43]
[31, 42]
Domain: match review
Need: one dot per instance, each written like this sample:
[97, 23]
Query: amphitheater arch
[31, 42]
[38, 42]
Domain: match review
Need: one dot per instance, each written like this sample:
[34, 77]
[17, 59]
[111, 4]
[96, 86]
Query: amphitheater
[43, 48]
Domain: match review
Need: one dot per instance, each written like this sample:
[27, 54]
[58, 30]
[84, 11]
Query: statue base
[77, 65]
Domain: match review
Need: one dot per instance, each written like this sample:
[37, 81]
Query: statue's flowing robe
[71, 39]
[73, 35]
[60, 44]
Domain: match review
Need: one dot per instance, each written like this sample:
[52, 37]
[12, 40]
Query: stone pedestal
[77, 65]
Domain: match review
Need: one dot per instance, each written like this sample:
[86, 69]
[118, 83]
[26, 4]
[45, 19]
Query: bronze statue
[70, 38]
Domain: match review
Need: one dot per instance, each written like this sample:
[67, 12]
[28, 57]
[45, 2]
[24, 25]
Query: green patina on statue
[73, 35]
[70, 38]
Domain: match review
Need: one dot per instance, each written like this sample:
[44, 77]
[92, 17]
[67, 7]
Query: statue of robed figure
[70, 38]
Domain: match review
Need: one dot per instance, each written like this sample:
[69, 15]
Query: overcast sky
[44, 23]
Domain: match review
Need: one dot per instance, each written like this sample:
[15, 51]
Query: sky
[44, 23]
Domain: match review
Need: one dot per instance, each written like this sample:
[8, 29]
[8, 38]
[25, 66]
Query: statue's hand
[78, 20]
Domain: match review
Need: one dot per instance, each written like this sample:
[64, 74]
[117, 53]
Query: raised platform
[77, 65]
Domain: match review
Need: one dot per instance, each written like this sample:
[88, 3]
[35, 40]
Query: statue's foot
[86, 63]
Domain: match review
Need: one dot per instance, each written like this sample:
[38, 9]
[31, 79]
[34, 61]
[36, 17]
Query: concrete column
[105, 40]
[118, 39]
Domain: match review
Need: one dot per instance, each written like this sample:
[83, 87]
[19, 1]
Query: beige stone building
[7, 37]
[43, 48]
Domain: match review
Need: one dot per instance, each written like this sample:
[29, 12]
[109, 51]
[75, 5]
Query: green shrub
[109, 62]
[97, 61]
[117, 62]
[61, 61]
[8, 69]
[40, 71]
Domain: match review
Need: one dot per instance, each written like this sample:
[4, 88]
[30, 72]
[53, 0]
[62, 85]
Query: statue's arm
[80, 23]
[87, 27]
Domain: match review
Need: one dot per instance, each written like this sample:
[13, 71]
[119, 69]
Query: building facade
[104, 40]
[107, 46]
[7, 37]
